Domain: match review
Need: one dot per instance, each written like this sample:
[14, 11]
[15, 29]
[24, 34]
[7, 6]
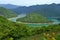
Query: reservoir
[55, 21]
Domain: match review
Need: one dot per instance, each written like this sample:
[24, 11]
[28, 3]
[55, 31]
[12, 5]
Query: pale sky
[28, 2]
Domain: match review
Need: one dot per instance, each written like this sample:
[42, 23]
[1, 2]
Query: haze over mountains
[8, 6]
[50, 11]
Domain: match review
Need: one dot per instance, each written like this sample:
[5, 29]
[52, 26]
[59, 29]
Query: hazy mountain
[7, 13]
[9, 6]
[51, 10]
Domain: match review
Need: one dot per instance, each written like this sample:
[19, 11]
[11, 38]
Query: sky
[28, 2]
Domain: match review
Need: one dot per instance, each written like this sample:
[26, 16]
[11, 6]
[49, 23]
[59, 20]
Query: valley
[37, 22]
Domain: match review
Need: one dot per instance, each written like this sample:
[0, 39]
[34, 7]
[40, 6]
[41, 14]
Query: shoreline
[34, 23]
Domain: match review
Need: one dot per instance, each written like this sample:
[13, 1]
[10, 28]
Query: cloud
[28, 2]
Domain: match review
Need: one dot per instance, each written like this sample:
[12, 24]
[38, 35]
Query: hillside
[48, 10]
[34, 17]
[11, 30]
[16, 31]
[5, 28]
[7, 13]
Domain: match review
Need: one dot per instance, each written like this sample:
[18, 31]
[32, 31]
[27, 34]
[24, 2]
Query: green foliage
[10, 29]
[58, 37]
[34, 17]
[15, 31]
[7, 13]
[8, 38]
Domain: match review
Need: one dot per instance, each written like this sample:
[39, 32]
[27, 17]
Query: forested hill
[34, 17]
[7, 13]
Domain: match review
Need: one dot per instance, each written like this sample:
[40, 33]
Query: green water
[38, 25]
[55, 21]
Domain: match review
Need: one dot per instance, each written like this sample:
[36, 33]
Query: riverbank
[36, 23]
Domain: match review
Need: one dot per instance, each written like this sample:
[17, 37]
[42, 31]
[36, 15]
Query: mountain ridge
[48, 10]
[51, 10]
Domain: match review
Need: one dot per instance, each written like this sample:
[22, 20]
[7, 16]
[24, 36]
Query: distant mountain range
[9, 6]
[49, 11]
[52, 10]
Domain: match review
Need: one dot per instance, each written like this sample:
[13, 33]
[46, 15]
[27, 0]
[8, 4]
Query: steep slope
[34, 17]
[7, 13]
[11, 30]
[5, 27]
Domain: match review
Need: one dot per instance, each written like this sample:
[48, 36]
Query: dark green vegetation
[15, 31]
[7, 13]
[58, 19]
[34, 17]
